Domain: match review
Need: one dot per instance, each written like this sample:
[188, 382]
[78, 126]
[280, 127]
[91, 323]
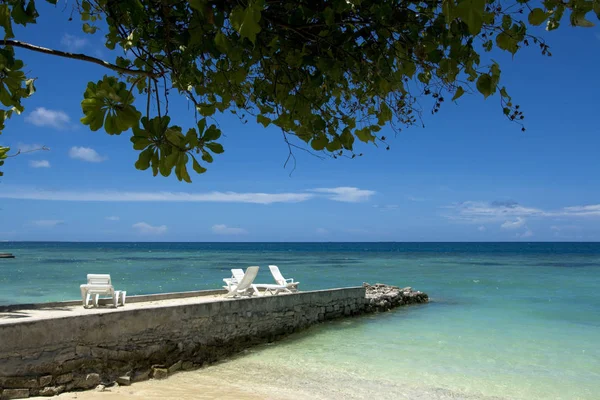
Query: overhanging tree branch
[82, 57]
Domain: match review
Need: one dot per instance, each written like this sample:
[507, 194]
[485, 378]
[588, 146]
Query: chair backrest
[99, 279]
[277, 274]
[248, 278]
[238, 274]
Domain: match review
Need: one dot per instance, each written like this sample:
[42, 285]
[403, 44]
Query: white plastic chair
[237, 274]
[244, 287]
[288, 283]
[97, 285]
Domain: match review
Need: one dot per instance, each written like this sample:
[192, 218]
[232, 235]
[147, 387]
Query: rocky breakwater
[381, 297]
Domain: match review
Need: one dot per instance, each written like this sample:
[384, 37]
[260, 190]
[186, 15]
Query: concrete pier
[46, 349]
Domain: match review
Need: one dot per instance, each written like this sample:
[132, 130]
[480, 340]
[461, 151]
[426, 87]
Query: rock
[124, 380]
[18, 382]
[52, 390]
[175, 367]
[160, 373]
[100, 388]
[86, 382]
[382, 297]
[141, 375]
[187, 365]
[45, 380]
[8, 394]
[64, 378]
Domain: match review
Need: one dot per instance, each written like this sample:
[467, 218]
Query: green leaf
[212, 133]
[110, 124]
[206, 156]
[206, 110]
[448, 10]
[459, 92]
[385, 114]
[140, 142]
[471, 13]
[191, 138]
[198, 5]
[216, 148]
[222, 42]
[347, 139]
[485, 85]
[507, 42]
[537, 16]
[197, 167]
[201, 126]
[329, 15]
[246, 20]
[263, 120]
[318, 143]
[364, 135]
[143, 162]
[87, 28]
[578, 19]
[6, 21]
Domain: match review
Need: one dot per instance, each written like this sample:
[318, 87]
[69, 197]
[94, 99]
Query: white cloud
[47, 223]
[222, 229]
[147, 229]
[346, 194]
[559, 228]
[481, 228]
[386, 207]
[112, 218]
[589, 210]
[85, 154]
[322, 231]
[528, 233]
[123, 196]
[497, 211]
[517, 223]
[39, 164]
[44, 117]
[73, 43]
[114, 196]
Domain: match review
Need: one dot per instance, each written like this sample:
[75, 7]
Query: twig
[82, 57]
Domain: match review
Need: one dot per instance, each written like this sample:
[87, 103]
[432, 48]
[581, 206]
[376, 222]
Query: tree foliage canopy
[329, 72]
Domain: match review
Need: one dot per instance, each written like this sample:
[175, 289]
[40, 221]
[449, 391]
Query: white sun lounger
[288, 283]
[244, 287]
[237, 274]
[97, 285]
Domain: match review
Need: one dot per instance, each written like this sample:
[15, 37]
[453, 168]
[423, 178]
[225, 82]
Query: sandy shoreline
[209, 383]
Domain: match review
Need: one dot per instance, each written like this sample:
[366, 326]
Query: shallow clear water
[508, 321]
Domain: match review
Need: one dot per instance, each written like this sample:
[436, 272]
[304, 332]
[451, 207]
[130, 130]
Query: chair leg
[96, 297]
[123, 296]
[87, 300]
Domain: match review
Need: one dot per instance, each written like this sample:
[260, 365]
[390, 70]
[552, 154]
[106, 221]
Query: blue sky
[469, 175]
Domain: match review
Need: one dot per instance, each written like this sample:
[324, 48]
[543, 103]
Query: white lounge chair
[270, 288]
[237, 274]
[288, 283]
[244, 287]
[97, 285]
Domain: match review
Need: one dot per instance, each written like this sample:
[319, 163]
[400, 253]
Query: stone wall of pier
[49, 356]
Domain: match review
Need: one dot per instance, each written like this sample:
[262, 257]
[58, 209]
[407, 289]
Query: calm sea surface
[506, 321]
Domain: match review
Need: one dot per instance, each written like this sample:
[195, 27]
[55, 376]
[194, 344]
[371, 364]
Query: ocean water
[506, 320]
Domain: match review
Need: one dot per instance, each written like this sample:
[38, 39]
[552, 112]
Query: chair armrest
[290, 280]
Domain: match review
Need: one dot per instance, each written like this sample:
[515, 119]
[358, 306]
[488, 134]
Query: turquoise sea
[506, 320]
